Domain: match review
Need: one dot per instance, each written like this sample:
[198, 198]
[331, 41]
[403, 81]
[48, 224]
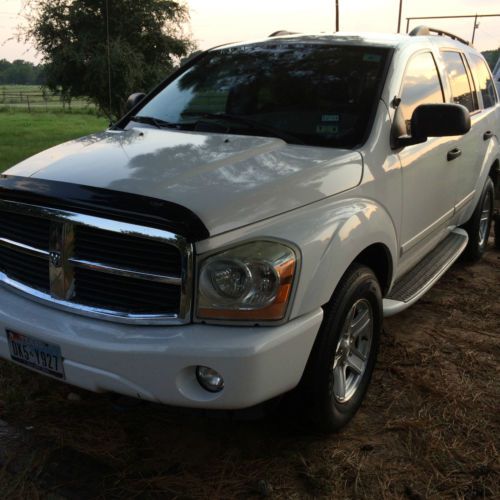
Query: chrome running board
[420, 279]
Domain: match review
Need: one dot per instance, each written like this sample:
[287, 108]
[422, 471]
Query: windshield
[306, 93]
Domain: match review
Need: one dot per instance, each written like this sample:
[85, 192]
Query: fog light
[209, 379]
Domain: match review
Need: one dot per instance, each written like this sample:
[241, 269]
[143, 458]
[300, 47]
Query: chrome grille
[24, 229]
[140, 254]
[28, 269]
[125, 294]
[95, 266]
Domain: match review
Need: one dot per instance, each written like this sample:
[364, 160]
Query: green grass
[24, 134]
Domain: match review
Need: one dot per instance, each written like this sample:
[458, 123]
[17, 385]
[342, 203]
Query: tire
[479, 225]
[497, 231]
[329, 404]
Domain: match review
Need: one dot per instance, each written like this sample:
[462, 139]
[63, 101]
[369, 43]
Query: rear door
[464, 168]
[488, 99]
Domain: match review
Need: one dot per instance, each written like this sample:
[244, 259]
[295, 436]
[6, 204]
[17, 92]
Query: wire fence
[40, 100]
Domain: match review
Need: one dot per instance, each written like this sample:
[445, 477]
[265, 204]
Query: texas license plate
[36, 354]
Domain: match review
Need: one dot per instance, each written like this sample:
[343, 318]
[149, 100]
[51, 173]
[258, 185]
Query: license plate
[36, 354]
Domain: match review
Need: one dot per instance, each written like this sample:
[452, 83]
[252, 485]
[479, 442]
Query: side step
[416, 282]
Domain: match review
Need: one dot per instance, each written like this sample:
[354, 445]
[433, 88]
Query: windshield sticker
[372, 58]
[327, 129]
[330, 118]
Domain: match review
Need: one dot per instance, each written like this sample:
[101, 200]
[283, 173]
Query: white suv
[241, 232]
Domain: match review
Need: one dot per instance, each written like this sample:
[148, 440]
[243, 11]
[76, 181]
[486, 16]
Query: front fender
[348, 228]
[330, 234]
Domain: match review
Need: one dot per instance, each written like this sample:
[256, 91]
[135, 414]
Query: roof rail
[425, 31]
[282, 33]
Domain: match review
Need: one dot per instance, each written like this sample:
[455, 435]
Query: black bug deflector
[125, 207]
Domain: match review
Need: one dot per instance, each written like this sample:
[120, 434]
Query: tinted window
[421, 85]
[461, 91]
[484, 80]
[321, 94]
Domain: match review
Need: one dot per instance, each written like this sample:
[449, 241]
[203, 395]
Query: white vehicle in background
[243, 230]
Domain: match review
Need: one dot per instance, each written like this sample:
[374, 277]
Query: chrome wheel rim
[484, 222]
[353, 351]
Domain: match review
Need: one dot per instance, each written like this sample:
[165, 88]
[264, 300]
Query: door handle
[488, 135]
[453, 154]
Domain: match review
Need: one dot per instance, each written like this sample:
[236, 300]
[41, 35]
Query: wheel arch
[495, 176]
[378, 258]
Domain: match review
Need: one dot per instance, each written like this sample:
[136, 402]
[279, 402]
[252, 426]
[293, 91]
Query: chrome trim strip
[128, 273]
[21, 247]
[465, 201]
[441, 221]
[61, 262]
[110, 225]
[92, 312]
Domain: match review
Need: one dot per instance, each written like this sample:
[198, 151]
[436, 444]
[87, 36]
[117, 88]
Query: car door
[489, 116]
[428, 188]
[470, 148]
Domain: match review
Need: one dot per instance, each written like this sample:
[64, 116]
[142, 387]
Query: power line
[474, 16]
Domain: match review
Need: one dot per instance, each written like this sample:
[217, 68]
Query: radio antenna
[109, 59]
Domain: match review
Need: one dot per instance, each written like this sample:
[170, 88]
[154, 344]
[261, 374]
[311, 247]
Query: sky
[214, 22]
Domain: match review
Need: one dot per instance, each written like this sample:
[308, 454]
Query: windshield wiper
[251, 124]
[151, 120]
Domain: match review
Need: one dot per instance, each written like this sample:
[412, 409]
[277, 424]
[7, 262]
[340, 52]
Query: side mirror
[134, 100]
[436, 120]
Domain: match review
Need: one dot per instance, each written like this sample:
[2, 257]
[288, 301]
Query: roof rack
[282, 33]
[425, 31]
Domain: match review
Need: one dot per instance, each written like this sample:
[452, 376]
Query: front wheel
[344, 354]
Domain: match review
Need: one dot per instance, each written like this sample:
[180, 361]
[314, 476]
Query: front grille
[27, 269]
[95, 266]
[135, 253]
[125, 294]
[25, 229]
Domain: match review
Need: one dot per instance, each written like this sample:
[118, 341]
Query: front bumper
[158, 363]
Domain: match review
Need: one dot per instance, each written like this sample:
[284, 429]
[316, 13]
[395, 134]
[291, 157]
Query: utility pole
[474, 30]
[399, 17]
[337, 20]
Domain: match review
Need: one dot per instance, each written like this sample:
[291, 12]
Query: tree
[491, 57]
[20, 72]
[146, 41]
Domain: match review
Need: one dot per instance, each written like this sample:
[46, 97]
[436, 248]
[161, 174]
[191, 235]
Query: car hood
[227, 180]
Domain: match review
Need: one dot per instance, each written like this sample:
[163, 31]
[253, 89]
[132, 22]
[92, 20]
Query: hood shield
[118, 205]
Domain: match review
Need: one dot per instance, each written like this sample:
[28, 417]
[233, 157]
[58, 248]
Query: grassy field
[24, 134]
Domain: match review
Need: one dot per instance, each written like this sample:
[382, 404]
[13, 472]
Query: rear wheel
[479, 225]
[345, 351]
[497, 231]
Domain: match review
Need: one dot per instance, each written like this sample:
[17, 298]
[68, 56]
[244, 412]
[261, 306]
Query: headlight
[249, 282]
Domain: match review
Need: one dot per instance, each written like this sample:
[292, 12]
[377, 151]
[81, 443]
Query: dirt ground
[429, 428]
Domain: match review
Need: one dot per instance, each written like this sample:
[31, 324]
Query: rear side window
[461, 88]
[421, 85]
[484, 80]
